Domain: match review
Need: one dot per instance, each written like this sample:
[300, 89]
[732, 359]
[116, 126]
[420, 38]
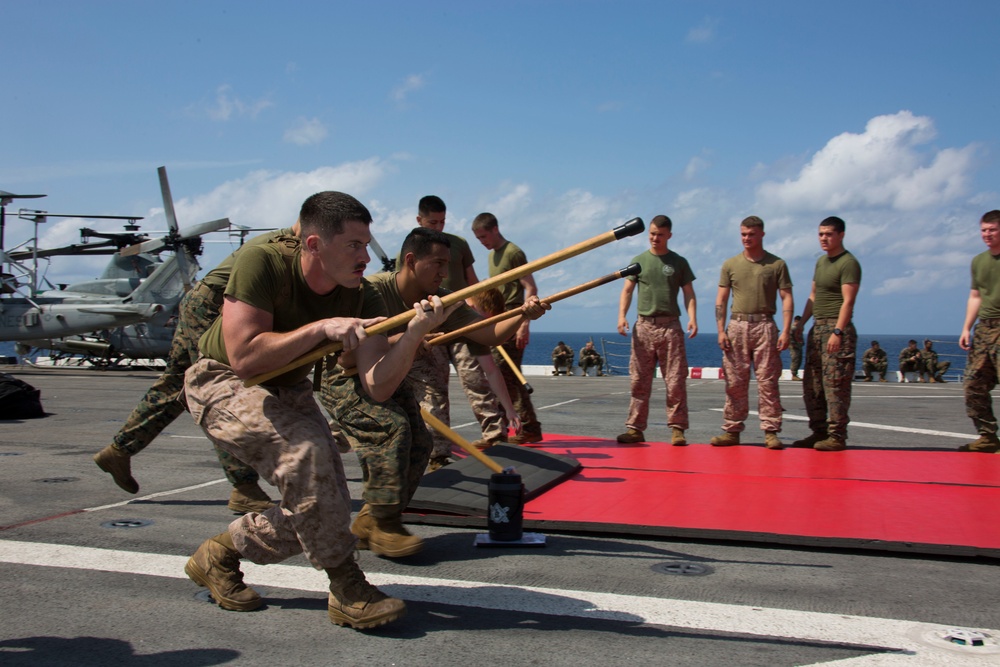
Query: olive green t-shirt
[830, 276]
[986, 279]
[218, 277]
[385, 285]
[261, 278]
[503, 259]
[460, 258]
[661, 280]
[755, 285]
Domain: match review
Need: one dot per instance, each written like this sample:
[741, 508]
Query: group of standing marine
[754, 279]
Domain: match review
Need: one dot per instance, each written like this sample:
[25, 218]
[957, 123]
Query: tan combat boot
[631, 436]
[771, 440]
[677, 438]
[727, 439]
[216, 566]
[832, 443]
[356, 603]
[811, 439]
[118, 464]
[986, 443]
[385, 534]
[246, 498]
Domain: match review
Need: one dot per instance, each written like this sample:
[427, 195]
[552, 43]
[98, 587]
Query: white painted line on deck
[900, 636]
[544, 407]
[880, 427]
[159, 494]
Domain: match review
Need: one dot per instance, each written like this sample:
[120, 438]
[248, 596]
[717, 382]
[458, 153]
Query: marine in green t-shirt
[833, 341]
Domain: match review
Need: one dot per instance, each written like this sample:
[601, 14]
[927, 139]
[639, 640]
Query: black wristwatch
[837, 332]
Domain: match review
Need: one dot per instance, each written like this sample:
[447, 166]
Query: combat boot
[385, 535]
[811, 439]
[216, 566]
[771, 440]
[677, 438]
[727, 439]
[437, 462]
[118, 464]
[832, 443]
[631, 436]
[986, 443]
[868, 378]
[524, 438]
[356, 603]
[246, 498]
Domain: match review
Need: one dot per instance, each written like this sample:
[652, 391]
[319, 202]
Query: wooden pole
[630, 228]
[447, 432]
[517, 371]
[630, 270]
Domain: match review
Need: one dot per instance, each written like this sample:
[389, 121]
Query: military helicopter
[127, 313]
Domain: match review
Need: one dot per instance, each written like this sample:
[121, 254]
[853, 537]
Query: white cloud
[226, 105]
[695, 166]
[410, 84]
[882, 167]
[703, 33]
[306, 132]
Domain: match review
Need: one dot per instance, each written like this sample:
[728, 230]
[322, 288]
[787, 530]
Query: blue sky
[562, 118]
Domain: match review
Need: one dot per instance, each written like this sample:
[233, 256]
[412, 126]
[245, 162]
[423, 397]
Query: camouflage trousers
[519, 396]
[870, 368]
[429, 378]
[827, 379]
[160, 406]
[981, 376]
[283, 434]
[658, 341]
[392, 443]
[934, 369]
[795, 352]
[753, 344]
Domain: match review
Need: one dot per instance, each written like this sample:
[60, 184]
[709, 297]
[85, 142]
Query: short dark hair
[912, 342]
[874, 342]
[325, 213]
[431, 204]
[662, 221]
[485, 221]
[421, 240]
[833, 221]
[752, 221]
[991, 216]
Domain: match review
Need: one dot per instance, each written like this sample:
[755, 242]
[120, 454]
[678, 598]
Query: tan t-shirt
[755, 285]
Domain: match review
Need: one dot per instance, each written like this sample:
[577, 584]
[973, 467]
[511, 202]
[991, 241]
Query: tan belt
[752, 317]
[828, 320]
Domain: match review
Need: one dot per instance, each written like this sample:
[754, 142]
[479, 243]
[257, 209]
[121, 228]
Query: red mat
[920, 501]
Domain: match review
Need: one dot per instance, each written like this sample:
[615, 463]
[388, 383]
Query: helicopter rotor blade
[204, 228]
[168, 200]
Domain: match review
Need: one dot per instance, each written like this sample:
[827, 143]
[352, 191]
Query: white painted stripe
[159, 494]
[880, 427]
[544, 407]
[898, 635]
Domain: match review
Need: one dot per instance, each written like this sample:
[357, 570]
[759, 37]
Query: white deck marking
[881, 427]
[155, 495]
[900, 636]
